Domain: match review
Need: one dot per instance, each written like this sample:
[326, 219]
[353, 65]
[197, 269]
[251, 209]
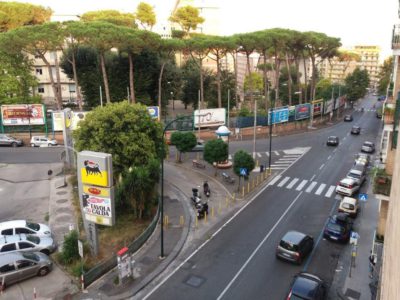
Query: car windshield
[335, 227]
[33, 239]
[369, 144]
[31, 256]
[354, 175]
[348, 206]
[33, 226]
[288, 246]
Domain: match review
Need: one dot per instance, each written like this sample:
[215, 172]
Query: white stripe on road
[267, 153]
[330, 191]
[258, 154]
[301, 185]
[273, 181]
[282, 162]
[320, 189]
[292, 183]
[276, 153]
[281, 165]
[312, 177]
[321, 166]
[311, 186]
[329, 157]
[278, 168]
[282, 183]
[288, 159]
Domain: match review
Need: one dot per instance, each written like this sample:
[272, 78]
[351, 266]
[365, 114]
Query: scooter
[196, 199]
[206, 189]
[203, 210]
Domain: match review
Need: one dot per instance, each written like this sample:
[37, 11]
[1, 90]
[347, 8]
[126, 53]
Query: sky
[355, 22]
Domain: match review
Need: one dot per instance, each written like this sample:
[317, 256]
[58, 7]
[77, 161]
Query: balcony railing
[396, 37]
[382, 184]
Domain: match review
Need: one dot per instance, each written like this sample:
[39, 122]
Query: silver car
[17, 266]
[368, 147]
[7, 140]
[27, 242]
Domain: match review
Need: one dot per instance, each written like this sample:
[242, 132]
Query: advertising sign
[209, 117]
[154, 112]
[292, 113]
[76, 117]
[95, 168]
[317, 104]
[328, 106]
[279, 115]
[23, 114]
[97, 209]
[302, 111]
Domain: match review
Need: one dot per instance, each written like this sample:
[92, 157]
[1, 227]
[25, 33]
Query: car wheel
[14, 144]
[45, 251]
[49, 145]
[32, 145]
[43, 271]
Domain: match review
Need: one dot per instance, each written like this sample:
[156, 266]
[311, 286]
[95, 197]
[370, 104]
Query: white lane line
[334, 150]
[320, 189]
[292, 183]
[283, 182]
[276, 153]
[288, 159]
[273, 181]
[321, 166]
[311, 186]
[258, 248]
[266, 153]
[312, 177]
[282, 162]
[278, 168]
[280, 165]
[291, 155]
[329, 157]
[330, 191]
[258, 154]
[344, 138]
[301, 185]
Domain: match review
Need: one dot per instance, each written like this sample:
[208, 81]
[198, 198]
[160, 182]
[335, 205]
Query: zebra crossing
[281, 159]
[307, 186]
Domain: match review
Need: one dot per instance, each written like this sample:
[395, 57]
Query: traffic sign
[243, 172]
[363, 197]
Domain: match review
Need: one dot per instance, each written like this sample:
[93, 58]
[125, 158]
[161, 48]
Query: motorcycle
[202, 210]
[206, 189]
[196, 199]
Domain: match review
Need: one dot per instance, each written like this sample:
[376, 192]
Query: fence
[100, 269]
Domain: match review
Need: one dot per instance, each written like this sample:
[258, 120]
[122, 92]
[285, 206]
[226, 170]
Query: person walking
[371, 265]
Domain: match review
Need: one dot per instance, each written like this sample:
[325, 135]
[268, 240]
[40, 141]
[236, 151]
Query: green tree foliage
[187, 17]
[70, 251]
[324, 89]
[357, 84]
[183, 141]
[384, 75]
[145, 15]
[15, 14]
[111, 16]
[256, 80]
[242, 159]
[216, 151]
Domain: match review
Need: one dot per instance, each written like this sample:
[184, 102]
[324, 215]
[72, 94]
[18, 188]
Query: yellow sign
[93, 175]
[96, 191]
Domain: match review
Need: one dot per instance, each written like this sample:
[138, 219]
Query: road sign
[243, 172]
[278, 115]
[363, 197]
[80, 248]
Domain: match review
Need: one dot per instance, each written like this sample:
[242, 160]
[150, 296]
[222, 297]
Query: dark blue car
[307, 286]
[338, 228]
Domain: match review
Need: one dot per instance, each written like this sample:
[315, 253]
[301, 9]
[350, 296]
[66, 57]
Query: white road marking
[282, 162]
[311, 186]
[301, 185]
[292, 183]
[276, 153]
[258, 154]
[312, 177]
[278, 168]
[344, 138]
[320, 189]
[329, 157]
[273, 181]
[330, 191]
[282, 183]
[281, 165]
[266, 153]
[321, 166]
[288, 159]
[334, 150]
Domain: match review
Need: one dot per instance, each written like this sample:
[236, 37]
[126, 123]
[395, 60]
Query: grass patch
[46, 217]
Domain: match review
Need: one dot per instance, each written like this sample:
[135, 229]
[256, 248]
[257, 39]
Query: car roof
[356, 126]
[368, 143]
[13, 223]
[349, 200]
[348, 180]
[293, 237]
[10, 257]
[305, 285]
[332, 137]
[358, 168]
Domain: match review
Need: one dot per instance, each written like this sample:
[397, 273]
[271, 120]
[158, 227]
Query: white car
[347, 186]
[23, 226]
[42, 141]
[27, 242]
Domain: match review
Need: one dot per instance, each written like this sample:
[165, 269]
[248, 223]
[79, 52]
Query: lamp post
[270, 134]
[29, 113]
[162, 188]
[173, 102]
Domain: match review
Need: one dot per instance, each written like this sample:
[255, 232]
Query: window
[23, 230]
[7, 268]
[21, 264]
[72, 88]
[39, 71]
[7, 232]
[41, 89]
[9, 247]
[25, 245]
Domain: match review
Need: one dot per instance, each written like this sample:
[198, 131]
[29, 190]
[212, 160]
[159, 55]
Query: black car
[348, 118]
[338, 228]
[355, 129]
[332, 141]
[294, 246]
[307, 286]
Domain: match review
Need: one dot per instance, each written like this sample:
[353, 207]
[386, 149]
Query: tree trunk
[236, 85]
[219, 82]
[105, 78]
[250, 79]
[313, 78]
[160, 87]
[305, 79]
[58, 83]
[289, 78]
[131, 79]
[53, 85]
[266, 89]
[277, 67]
[201, 84]
[297, 64]
[78, 91]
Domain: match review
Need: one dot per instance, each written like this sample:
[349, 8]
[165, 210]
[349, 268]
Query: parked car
[8, 140]
[349, 206]
[355, 129]
[348, 118]
[357, 172]
[23, 226]
[27, 242]
[332, 141]
[368, 147]
[308, 287]
[338, 228]
[199, 146]
[363, 158]
[294, 246]
[347, 186]
[42, 141]
[17, 266]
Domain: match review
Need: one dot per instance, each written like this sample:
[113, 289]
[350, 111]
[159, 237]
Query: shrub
[70, 250]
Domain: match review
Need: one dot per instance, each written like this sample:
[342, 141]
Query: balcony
[382, 183]
[396, 37]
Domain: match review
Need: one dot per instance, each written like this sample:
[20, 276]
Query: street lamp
[173, 102]
[270, 134]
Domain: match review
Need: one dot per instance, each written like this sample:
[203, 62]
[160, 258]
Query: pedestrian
[371, 265]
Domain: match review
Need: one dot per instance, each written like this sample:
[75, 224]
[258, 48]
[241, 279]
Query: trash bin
[261, 168]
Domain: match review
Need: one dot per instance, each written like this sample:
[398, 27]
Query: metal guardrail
[107, 265]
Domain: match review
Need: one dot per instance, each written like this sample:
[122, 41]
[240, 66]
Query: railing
[396, 37]
[382, 184]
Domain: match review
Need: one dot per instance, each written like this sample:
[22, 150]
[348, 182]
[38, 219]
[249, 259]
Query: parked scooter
[203, 210]
[196, 199]
[206, 189]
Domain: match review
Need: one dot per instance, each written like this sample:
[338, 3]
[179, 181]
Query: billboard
[75, 118]
[302, 111]
[97, 204]
[154, 112]
[278, 115]
[209, 117]
[23, 114]
[328, 106]
[317, 107]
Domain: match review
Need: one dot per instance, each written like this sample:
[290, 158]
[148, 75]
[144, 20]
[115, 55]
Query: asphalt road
[26, 155]
[239, 261]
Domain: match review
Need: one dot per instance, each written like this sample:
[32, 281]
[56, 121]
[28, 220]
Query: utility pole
[254, 129]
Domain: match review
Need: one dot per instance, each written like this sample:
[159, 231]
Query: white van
[349, 206]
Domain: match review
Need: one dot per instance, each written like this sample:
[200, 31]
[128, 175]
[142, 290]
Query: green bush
[70, 250]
